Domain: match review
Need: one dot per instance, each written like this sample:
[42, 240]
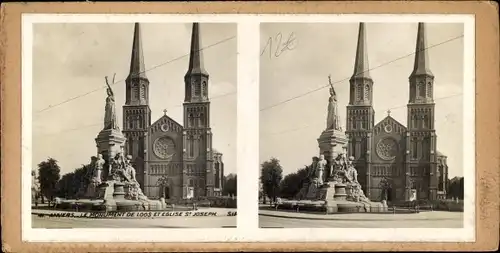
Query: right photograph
[361, 125]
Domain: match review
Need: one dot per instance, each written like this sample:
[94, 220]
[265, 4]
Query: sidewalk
[436, 215]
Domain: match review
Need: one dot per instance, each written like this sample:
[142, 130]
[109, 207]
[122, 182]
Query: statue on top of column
[332, 119]
[110, 109]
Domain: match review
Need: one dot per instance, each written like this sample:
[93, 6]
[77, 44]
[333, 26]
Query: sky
[289, 131]
[71, 60]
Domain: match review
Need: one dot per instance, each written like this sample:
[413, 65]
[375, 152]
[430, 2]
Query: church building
[172, 160]
[405, 156]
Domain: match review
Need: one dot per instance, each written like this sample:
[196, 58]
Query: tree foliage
[71, 183]
[455, 188]
[292, 183]
[271, 176]
[48, 176]
[230, 185]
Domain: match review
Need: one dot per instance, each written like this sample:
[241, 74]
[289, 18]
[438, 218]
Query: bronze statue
[332, 119]
[110, 110]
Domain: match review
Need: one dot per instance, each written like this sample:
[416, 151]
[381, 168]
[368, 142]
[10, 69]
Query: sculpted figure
[129, 174]
[118, 168]
[351, 173]
[110, 110]
[320, 169]
[99, 167]
[312, 172]
[332, 119]
[339, 168]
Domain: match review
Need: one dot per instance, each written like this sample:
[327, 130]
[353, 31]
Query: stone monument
[332, 140]
[110, 139]
[332, 182]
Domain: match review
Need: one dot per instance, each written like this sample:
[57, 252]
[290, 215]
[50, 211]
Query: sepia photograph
[133, 125]
[362, 125]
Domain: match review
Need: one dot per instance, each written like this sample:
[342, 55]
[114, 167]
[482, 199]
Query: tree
[292, 183]
[72, 184]
[271, 176]
[456, 188]
[48, 176]
[230, 185]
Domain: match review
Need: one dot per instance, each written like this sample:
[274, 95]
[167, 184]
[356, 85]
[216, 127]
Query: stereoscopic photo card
[249, 126]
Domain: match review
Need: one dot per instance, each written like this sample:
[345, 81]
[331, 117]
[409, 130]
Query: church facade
[404, 156]
[172, 160]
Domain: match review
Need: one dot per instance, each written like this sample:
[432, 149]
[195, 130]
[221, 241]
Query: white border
[248, 138]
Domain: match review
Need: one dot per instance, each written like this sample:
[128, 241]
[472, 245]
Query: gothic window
[424, 121]
[143, 91]
[421, 89]
[136, 91]
[190, 146]
[191, 182]
[352, 93]
[201, 120]
[130, 122]
[414, 147]
[205, 91]
[429, 89]
[197, 91]
[413, 121]
[363, 123]
[141, 122]
[358, 147]
[190, 120]
[367, 92]
[360, 92]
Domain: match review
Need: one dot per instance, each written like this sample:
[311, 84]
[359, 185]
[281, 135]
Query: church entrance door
[389, 194]
[166, 192]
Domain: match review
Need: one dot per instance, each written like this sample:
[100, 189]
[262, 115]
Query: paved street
[168, 222]
[277, 219]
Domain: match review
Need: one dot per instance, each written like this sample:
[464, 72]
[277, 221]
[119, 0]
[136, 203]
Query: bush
[438, 205]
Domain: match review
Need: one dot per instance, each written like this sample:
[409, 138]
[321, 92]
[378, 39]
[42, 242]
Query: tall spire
[137, 69]
[196, 55]
[361, 67]
[421, 66]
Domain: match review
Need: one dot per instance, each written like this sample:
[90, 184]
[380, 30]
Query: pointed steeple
[361, 67]
[137, 69]
[421, 65]
[196, 54]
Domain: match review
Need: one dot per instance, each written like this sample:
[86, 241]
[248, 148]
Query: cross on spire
[389, 112]
[165, 111]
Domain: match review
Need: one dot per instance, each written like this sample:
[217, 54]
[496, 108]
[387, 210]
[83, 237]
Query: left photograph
[133, 125]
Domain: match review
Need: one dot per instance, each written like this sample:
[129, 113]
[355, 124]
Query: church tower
[360, 113]
[421, 160]
[197, 135]
[136, 111]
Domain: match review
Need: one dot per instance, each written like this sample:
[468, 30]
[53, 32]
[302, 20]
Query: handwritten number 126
[277, 45]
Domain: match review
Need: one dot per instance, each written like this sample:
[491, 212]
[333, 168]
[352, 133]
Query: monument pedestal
[331, 143]
[109, 143]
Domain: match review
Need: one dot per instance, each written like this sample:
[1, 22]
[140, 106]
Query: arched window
[191, 146]
[205, 90]
[414, 147]
[202, 119]
[424, 121]
[197, 91]
[360, 92]
[367, 92]
[136, 91]
[190, 120]
[429, 89]
[191, 182]
[130, 122]
[421, 89]
[143, 91]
